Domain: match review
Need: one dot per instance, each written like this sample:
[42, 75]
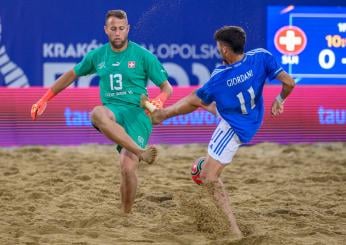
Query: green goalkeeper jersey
[123, 75]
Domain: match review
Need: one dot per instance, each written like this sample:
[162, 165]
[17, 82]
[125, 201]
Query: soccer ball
[196, 170]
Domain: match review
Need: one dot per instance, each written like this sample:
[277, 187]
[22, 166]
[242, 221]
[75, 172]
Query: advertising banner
[312, 114]
[38, 44]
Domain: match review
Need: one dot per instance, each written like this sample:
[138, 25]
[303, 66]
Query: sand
[281, 194]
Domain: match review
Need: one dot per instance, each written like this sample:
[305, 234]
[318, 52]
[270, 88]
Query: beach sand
[281, 194]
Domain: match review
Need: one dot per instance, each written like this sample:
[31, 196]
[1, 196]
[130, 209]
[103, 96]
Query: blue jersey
[237, 90]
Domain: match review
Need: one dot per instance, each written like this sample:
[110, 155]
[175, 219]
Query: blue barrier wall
[41, 39]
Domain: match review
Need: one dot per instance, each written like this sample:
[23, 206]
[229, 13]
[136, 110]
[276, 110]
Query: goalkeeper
[124, 68]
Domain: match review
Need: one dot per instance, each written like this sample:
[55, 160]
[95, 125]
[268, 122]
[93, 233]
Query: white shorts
[224, 143]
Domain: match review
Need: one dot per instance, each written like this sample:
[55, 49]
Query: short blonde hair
[117, 13]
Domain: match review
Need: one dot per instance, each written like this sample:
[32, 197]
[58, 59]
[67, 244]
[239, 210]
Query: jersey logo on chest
[101, 65]
[131, 64]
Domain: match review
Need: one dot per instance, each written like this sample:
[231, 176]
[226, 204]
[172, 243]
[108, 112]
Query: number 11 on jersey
[242, 100]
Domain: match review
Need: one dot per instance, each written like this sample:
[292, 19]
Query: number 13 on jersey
[116, 81]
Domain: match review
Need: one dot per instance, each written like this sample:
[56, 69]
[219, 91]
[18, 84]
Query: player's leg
[211, 178]
[128, 184]
[105, 121]
[138, 127]
[221, 149]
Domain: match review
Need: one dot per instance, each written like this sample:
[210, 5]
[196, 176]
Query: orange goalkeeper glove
[159, 100]
[38, 108]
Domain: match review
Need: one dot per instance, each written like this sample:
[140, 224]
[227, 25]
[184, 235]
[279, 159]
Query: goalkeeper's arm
[60, 84]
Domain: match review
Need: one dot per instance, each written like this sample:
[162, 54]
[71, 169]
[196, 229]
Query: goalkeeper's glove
[38, 108]
[159, 100]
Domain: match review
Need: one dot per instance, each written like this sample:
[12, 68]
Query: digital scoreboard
[309, 42]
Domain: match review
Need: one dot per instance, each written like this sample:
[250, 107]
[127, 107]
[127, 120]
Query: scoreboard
[309, 42]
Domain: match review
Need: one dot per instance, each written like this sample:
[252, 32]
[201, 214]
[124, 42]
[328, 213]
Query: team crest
[131, 64]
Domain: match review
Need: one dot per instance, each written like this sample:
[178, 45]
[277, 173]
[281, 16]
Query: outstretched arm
[287, 87]
[60, 84]
[211, 108]
[183, 106]
[64, 81]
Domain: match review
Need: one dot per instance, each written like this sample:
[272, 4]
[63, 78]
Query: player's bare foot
[157, 116]
[149, 155]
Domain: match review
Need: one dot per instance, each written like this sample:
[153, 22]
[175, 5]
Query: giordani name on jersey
[240, 79]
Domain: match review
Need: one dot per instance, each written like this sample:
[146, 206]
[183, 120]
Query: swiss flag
[131, 64]
[290, 40]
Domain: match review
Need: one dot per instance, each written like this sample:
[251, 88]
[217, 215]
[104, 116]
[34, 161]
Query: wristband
[280, 99]
[48, 95]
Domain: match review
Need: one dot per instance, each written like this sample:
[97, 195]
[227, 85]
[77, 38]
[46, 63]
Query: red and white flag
[131, 64]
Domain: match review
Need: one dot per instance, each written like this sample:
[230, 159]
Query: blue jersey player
[234, 92]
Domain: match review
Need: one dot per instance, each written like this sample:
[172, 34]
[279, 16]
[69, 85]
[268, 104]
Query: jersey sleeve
[155, 71]
[271, 65]
[204, 94]
[86, 66]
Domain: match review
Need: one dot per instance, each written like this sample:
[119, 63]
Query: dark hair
[233, 36]
[118, 13]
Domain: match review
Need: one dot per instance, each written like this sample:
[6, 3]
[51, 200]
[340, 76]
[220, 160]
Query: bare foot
[149, 155]
[157, 116]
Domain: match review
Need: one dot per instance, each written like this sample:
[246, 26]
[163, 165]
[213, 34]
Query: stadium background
[39, 40]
